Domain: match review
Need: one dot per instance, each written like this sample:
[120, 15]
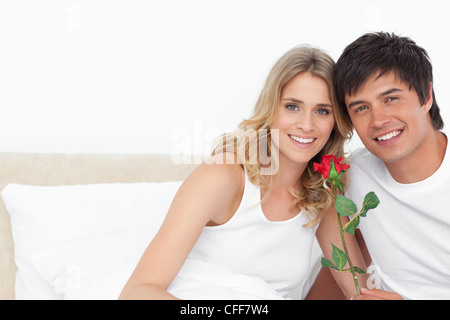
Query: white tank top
[279, 252]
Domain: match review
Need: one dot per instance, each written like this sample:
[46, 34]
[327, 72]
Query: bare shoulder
[208, 196]
[222, 169]
[217, 184]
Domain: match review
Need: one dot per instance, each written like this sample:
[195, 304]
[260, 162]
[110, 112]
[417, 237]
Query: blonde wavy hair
[245, 142]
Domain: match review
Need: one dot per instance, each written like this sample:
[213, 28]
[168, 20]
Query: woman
[254, 212]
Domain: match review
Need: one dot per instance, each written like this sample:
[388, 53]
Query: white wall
[139, 76]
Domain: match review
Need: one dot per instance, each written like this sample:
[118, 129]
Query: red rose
[325, 166]
[331, 169]
[340, 166]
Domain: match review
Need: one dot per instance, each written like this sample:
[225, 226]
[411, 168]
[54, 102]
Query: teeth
[389, 135]
[301, 140]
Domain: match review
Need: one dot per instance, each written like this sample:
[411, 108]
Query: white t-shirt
[408, 234]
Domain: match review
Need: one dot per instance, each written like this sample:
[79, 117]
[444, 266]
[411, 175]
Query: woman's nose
[305, 121]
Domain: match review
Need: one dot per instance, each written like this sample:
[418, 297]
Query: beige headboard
[66, 169]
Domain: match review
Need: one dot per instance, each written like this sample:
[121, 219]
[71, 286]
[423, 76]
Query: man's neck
[421, 165]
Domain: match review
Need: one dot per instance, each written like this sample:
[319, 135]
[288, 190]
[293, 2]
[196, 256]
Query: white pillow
[95, 268]
[70, 225]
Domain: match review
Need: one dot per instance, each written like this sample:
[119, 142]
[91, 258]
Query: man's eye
[361, 108]
[390, 99]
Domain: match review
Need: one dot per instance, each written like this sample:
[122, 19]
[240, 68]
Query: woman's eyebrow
[292, 99]
[301, 102]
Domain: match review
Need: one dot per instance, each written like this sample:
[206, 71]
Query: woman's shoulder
[223, 168]
[218, 185]
[220, 173]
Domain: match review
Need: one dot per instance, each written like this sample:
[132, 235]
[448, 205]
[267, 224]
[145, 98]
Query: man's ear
[429, 101]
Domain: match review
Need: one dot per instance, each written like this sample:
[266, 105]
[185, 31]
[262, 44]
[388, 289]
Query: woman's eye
[323, 112]
[292, 107]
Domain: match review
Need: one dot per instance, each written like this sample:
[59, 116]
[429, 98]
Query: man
[384, 83]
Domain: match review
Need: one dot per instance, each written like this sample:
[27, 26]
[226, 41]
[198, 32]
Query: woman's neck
[288, 176]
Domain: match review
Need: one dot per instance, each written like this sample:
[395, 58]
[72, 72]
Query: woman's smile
[304, 140]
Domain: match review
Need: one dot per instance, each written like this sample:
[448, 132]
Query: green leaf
[327, 263]
[371, 201]
[359, 270]
[338, 183]
[352, 226]
[344, 206]
[339, 257]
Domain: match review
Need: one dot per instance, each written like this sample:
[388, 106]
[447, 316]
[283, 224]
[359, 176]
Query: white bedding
[83, 242]
[199, 280]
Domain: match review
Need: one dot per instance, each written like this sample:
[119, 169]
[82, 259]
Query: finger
[381, 294]
[364, 297]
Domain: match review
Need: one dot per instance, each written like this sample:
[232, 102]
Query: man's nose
[380, 116]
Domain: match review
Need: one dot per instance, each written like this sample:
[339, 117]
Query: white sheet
[199, 280]
[83, 242]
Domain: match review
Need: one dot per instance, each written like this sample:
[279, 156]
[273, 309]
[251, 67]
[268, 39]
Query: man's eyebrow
[385, 93]
[354, 103]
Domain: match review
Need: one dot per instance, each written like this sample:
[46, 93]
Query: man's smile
[389, 135]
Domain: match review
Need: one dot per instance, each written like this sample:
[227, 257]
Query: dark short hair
[385, 52]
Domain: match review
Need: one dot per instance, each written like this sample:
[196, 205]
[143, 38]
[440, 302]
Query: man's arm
[371, 294]
[363, 247]
[325, 287]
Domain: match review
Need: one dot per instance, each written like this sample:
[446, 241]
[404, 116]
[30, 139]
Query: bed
[68, 221]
